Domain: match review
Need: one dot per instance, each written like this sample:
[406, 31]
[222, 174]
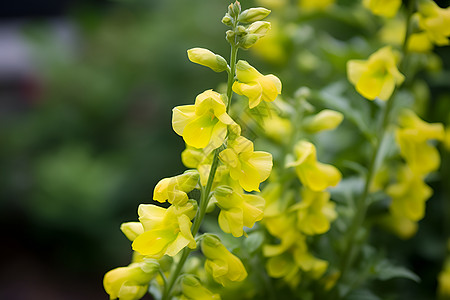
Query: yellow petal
[198, 132]
[245, 72]
[262, 161]
[181, 116]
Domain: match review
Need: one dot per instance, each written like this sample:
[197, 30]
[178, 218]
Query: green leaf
[385, 270]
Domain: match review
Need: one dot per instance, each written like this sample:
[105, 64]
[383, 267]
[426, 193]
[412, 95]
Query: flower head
[249, 167]
[166, 231]
[377, 76]
[237, 210]
[315, 175]
[131, 282]
[385, 8]
[254, 85]
[409, 195]
[435, 21]
[224, 267]
[412, 138]
[314, 212]
[203, 123]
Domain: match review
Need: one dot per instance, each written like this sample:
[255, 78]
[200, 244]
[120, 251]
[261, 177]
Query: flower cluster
[223, 164]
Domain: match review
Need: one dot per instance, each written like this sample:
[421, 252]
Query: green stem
[205, 196]
[362, 202]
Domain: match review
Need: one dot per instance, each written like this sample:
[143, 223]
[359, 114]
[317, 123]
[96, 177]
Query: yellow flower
[270, 48]
[192, 289]
[224, 267]
[208, 59]
[412, 137]
[384, 8]
[284, 266]
[314, 212]
[401, 226]
[325, 120]
[376, 77]
[254, 85]
[248, 167]
[166, 231]
[132, 230]
[237, 210]
[435, 21]
[131, 282]
[419, 42]
[409, 195]
[175, 189]
[312, 5]
[203, 123]
[314, 266]
[315, 175]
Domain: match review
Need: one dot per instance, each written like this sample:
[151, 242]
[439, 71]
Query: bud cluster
[245, 36]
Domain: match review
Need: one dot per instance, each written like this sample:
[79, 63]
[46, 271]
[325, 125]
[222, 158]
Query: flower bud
[260, 28]
[324, 120]
[132, 230]
[230, 36]
[224, 197]
[234, 9]
[249, 40]
[208, 59]
[227, 20]
[253, 14]
[192, 288]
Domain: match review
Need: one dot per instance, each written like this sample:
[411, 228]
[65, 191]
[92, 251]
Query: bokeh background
[86, 92]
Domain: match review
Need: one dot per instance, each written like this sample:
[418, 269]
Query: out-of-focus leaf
[254, 241]
[385, 270]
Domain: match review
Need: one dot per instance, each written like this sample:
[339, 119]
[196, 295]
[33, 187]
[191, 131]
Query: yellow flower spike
[132, 230]
[409, 195]
[204, 123]
[313, 174]
[175, 189]
[166, 231]
[325, 120]
[192, 289]
[412, 137]
[248, 167]
[224, 267]
[208, 59]
[237, 210]
[384, 8]
[254, 85]
[314, 5]
[314, 212]
[131, 282]
[435, 21]
[377, 76]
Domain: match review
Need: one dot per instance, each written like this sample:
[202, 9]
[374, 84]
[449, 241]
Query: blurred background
[86, 92]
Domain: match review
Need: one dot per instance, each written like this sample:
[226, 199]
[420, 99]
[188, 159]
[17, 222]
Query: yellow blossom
[377, 76]
[314, 212]
[203, 123]
[192, 289]
[224, 267]
[325, 120]
[208, 59]
[254, 85]
[175, 189]
[412, 137]
[419, 42]
[131, 282]
[435, 21]
[401, 226]
[284, 266]
[132, 230]
[385, 8]
[237, 210]
[312, 5]
[166, 231]
[315, 175]
[409, 195]
[248, 167]
[314, 266]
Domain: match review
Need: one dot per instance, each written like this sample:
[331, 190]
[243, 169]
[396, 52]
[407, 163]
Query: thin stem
[362, 202]
[206, 191]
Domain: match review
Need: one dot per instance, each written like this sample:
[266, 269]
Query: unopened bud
[227, 20]
[248, 41]
[208, 59]
[260, 28]
[253, 14]
[241, 29]
[230, 36]
[324, 120]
